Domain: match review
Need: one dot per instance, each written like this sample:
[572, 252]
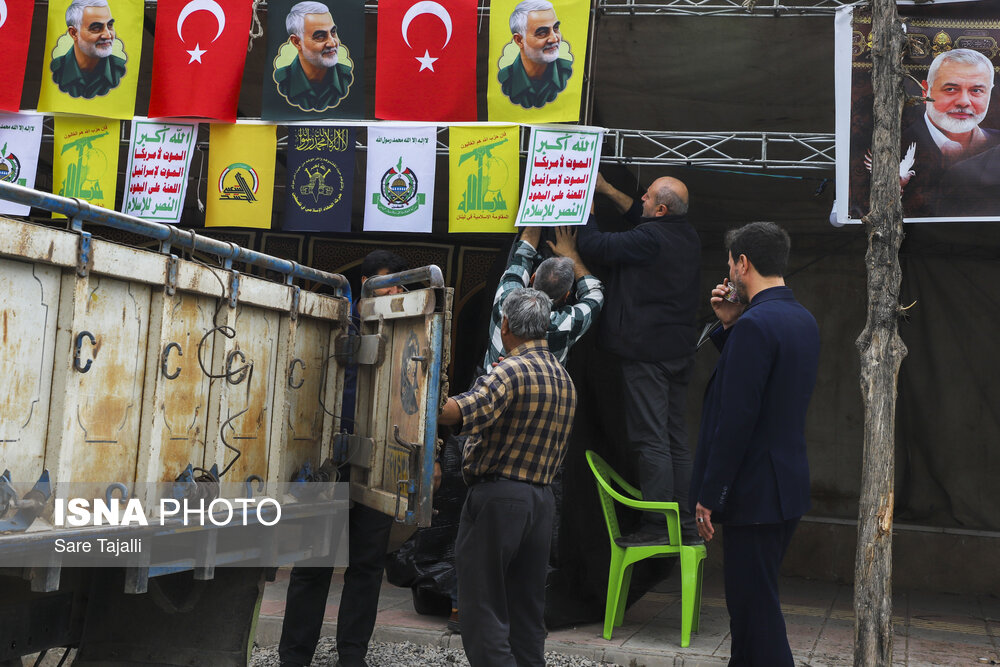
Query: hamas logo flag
[399, 195]
[400, 183]
[20, 138]
[241, 168]
[315, 60]
[320, 179]
[85, 159]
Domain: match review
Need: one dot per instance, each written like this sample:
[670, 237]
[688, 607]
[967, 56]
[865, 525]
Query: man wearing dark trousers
[751, 472]
[648, 324]
[524, 412]
[368, 532]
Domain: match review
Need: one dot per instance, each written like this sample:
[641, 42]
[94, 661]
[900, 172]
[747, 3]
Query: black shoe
[643, 538]
[453, 625]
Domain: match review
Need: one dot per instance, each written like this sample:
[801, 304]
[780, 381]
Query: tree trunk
[881, 349]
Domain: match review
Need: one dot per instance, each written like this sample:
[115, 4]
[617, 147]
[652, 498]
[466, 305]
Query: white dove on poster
[905, 172]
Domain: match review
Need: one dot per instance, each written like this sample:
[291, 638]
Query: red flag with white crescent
[198, 57]
[425, 67]
[15, 31]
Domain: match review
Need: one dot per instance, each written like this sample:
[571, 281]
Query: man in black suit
[648, 324]
[750, 471]
[959, 82]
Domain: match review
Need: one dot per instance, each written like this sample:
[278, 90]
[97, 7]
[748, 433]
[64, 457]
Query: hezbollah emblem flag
[241, 175]
[483, 182]
[399, 192]
[85, 159]
[91, 60]
[536, 61]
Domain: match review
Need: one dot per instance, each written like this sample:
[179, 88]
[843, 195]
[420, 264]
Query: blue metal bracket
[28, 507]
[83, 254]
[7, 492]
[293, 310]
[172, 264]
[234, 287]
[78, 211]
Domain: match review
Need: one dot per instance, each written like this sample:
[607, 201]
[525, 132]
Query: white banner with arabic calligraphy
[560, 176]
[399, 190]
[20, 138]
[159, 159]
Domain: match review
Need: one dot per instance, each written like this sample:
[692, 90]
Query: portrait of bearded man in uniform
[321, 72]
[94, 63]
[542, 64]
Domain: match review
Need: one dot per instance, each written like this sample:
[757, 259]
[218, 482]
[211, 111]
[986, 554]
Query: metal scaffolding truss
[669, 8]
[763, 8]
[753, 150]
[763, 150]
[747, 150]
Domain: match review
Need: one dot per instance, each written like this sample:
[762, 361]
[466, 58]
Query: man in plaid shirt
[554, 276]
[524, 412]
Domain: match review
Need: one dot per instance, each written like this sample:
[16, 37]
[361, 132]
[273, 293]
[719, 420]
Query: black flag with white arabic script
[320, 179]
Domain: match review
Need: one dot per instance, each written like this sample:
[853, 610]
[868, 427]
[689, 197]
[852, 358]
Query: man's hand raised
[565, 245]
[531, 235]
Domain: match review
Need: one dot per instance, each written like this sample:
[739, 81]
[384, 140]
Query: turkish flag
[425, 67]
[198, 57]
[15, 31]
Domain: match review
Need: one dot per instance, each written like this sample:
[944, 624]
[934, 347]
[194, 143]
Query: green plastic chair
[622, 558]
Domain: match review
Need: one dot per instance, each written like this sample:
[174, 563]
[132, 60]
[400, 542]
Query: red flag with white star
[14, 16]
[198, 57]
[425, 67]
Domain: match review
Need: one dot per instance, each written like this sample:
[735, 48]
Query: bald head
[665, 196]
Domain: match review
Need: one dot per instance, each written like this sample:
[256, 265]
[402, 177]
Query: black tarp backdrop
[749, 74]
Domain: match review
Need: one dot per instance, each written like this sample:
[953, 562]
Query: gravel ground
[406, 654]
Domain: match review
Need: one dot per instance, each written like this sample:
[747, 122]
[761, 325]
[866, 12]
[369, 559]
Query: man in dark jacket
[649, 324]
[751, 472]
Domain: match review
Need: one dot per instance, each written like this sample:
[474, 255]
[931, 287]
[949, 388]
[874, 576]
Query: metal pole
[173, 236]
[430, 273]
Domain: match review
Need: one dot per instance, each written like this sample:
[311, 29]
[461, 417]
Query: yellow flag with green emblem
[91, 60]
[241, 175]
[85, 159]
[483, 178]
[535, 69]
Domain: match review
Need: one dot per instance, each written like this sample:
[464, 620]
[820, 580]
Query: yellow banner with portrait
[538, 53]
[483, 178]
[91, 60]
[241, 175]
[85, 159]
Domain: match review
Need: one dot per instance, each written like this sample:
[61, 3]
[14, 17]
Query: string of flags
[425, 59]
[425, 71]
[483, 172]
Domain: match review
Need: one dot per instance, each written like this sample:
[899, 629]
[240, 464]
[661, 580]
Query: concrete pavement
[930, 629]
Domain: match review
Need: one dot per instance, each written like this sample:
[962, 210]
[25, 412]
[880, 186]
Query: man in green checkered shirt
[557, 277]
[523, 410]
